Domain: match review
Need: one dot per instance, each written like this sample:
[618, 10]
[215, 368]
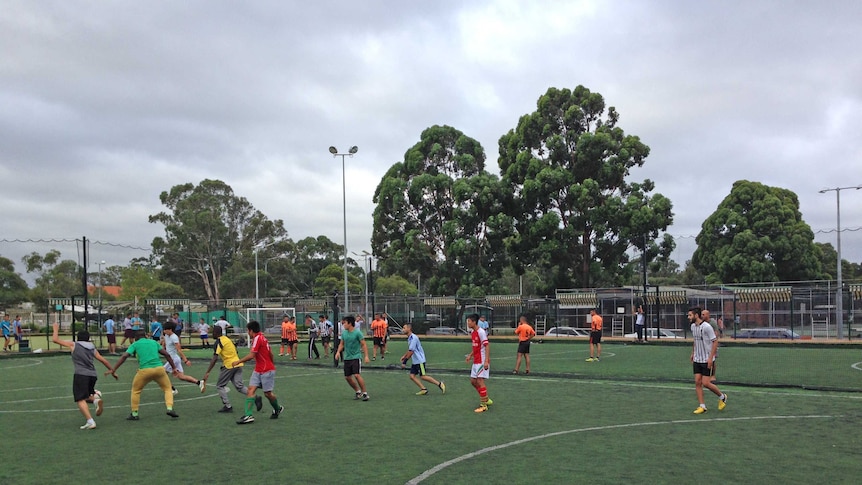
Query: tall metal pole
[344, 208]
[350, 153]
[256, 279]
[839, 292]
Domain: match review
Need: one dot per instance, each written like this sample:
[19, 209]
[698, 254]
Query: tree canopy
[757, 234]
[439, 215]
[13, 288]
[207, 227]
[565, 167]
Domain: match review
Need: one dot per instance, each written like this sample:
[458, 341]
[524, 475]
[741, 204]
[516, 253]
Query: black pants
[640, 331]
[312, 347]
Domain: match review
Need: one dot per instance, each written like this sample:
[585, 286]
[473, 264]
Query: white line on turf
[31, 364]
[446, 464]
[857, 366]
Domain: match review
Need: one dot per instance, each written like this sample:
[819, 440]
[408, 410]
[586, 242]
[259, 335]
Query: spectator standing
[313, 331]
[639, 323]
[111, 333]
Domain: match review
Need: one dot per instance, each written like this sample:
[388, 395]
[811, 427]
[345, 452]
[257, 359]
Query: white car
[567, 332]
[651, 333]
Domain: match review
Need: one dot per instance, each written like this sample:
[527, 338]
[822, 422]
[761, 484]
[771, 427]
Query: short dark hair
[217, 331]
[83, 336]
[696, 310]
[474, 317]
[140, 334]
[170, 326]
[349, 319]
[254, 326]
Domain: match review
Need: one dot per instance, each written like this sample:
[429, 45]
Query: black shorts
[112, 338]
[595, 336]
[702, 369]
[285, 341]
[524, 347]
[352, 367]
[378, 341]
[292, 342]
[418, 369]
[83, 387]
[128, 333]
[325, 340]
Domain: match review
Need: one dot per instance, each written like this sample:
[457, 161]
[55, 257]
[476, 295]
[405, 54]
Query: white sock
[91, 421]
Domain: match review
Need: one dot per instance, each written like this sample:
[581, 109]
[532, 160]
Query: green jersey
[352, 344]
[147, 351]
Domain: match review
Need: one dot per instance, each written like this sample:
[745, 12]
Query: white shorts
[178, 365]
[479, 371]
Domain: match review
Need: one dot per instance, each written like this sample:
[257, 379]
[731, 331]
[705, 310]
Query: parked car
[446, 331]
[567, 332]
[651, 333]
[768, 332]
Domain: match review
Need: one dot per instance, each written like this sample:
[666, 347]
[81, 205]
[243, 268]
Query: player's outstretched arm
[113, 370]
[56, 337]
[104, 362]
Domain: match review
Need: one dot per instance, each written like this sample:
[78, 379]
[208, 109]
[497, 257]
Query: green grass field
[568, 422]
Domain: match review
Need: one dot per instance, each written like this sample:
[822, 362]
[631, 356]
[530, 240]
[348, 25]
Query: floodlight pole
[839, 298]
[350, 153]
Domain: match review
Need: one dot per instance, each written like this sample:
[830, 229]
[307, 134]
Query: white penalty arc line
[36, 362]
[857, 366]
[427, 473]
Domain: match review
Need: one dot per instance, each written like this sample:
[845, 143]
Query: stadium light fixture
[839, 298]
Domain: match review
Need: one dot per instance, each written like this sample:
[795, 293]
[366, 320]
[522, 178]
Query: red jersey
[263, 354]
[480, 345]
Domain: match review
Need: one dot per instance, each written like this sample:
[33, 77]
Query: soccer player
[7, 332]
[84, 379]
[312, 336]
[231, 369]
[149, 369]
[417, 369]
[525, 333]
[156, 330]
[325, 331]
[379, 328]
[111, 332]
[263, 375]
[352, 343]
[204, 331]
[703, 359]
[288, 337]
[595, 337]
[128, 333]
[178, 358]
[481, 359]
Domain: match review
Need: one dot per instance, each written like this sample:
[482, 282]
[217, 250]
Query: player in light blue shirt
[7, 332]
[112, 334]
[416, 353]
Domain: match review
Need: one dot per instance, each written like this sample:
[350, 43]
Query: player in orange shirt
[379, 328]
[525, 333]
[289, 339]
[595, 336]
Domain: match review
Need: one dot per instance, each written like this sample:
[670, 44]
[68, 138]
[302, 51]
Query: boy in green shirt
[149, 369]
[352, 343]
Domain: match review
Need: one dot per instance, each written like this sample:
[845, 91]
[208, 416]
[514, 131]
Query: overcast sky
[104, 105]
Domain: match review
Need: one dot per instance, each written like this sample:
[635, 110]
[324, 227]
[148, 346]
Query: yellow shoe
[700, 410]
[481, 409]
[722, 402]
[590, 359]
[490, 402]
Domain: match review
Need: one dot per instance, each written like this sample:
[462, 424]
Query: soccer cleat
[527, 372]
[597, 359]
[281, 355]
[89, 426]
[174, 390]
[590, 359]
[357, 396]
[700, 410]
[100, 406]
[374, 358]
[422, 392]
[226, 409]
[481, 409]
[132, 417]
[722, 402]
[515, 371]
[490, 402]
[203, 385]
[276, 412]
[172, 413]
[365, 396]
[245, 420]
[258, 402]
[443, 387]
